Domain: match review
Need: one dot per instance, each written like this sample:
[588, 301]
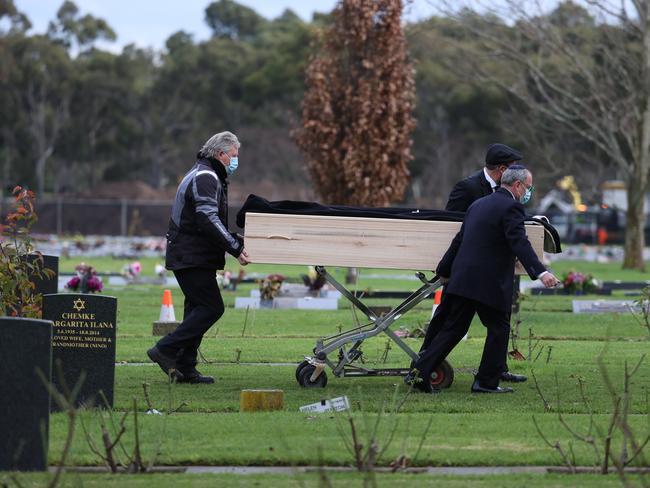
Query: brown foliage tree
[357, 110]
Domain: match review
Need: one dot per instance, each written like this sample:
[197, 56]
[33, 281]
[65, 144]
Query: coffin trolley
[306, 233]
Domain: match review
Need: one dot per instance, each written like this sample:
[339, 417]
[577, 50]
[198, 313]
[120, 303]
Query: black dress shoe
[166, 363]
[513, 378]
[196, 379]
[418, 384]
[477, 388]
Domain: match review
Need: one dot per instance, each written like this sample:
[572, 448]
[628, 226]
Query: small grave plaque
[25, 346]
[604, 306]
[83, 339]
[164, 328]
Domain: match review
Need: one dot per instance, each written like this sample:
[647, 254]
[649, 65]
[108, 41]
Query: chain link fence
[89, 216]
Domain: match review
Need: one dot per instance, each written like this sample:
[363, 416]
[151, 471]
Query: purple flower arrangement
[86, 280]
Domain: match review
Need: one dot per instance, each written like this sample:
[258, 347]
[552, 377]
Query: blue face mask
[234, 162]
[525, 198]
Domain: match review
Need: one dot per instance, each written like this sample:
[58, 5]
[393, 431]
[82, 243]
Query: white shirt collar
[513, 195]
[492, 183]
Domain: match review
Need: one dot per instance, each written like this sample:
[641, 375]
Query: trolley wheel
[300, 368]
[442, 376]
[304, 378]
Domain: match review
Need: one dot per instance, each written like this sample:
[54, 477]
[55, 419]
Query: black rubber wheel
[299, 369]
[305, 378]
[442, 376]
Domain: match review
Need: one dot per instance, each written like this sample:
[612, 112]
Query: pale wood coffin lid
[355, 241]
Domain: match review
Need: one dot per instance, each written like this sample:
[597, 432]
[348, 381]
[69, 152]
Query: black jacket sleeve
[206, 192]
[461, 197]
[515, 232]
[444, 266]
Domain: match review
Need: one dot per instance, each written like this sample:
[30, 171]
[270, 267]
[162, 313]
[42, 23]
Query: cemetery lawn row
[375, 394]
[542, 316]
[293, 438]
[307, 480]
[465, 429]
[107, 264]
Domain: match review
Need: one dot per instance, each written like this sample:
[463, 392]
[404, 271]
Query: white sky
[151, 22]
[148, 23]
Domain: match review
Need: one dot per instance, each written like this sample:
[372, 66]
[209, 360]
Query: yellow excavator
[568, 183]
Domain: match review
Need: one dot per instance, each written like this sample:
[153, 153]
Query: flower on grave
[270, 286]
[160, 270]
[132, 270]
[86, 280]
[73, 283]
[576, 282]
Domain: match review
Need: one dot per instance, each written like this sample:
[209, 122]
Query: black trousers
[203, 307]
[453, 323]
[436, 323]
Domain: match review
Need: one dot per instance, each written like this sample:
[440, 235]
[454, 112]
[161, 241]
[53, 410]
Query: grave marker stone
[83, 339]
[604, 306]
[25, 346]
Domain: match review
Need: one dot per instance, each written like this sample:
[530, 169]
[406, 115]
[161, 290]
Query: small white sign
[335, 404]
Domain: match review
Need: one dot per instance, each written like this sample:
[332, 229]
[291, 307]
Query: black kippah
[517, 166]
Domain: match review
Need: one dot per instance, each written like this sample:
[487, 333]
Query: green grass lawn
[601, 271]
[465, 429]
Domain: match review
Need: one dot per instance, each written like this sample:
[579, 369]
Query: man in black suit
[478, 268]
[480, 184]
[485, 181]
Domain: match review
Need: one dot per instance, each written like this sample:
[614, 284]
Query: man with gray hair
[197, 241]
[484, 182]
[478, 268]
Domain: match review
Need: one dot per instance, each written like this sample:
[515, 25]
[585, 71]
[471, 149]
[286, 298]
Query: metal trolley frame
[311, 372]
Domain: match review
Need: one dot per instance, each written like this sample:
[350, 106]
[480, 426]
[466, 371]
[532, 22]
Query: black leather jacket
[198, 234]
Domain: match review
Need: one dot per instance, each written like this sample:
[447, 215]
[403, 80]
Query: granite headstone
[83, 339]
[25, 347]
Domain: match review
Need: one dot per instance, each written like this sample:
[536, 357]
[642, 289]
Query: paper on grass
[335, 404]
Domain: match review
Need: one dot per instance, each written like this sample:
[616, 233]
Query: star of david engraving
[79, 304]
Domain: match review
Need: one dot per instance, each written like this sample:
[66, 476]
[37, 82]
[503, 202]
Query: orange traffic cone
[167, 308]
[437, 296]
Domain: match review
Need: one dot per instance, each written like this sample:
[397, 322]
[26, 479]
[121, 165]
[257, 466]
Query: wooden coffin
[356, 242]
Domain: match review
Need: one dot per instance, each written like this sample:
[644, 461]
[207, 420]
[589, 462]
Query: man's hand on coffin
[549, 280]
[243, 258]
[443, 280]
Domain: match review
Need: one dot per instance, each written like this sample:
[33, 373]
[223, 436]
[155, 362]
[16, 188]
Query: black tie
[496, 188]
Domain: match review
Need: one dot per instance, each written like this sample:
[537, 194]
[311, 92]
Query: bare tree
[584, 68]
[357, 110]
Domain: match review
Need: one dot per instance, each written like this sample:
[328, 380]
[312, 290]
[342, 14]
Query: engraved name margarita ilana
[77, 328]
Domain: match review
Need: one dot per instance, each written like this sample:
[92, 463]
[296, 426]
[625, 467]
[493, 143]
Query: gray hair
[514, 173]
[223, 141]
